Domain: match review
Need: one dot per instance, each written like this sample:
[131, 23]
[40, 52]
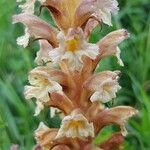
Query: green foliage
[17, 123]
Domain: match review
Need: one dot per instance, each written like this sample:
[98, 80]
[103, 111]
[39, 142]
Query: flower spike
[65, 80]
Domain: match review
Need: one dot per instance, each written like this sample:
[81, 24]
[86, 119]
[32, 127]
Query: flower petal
[37, 27]
[117, 115]
[83, 12]
[63, 11]
[42, 55]
[90, 25]
[45, 136]
[104, 85]
[109, 44]
[75, 125]
[49, 73]
[104, 9]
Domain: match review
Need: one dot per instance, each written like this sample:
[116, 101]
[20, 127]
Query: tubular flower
[72, 47]
[66, 81]
[41, 85]
[75, 126]
[105, 85]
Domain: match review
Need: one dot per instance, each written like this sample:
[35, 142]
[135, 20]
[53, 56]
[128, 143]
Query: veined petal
[42, 80]
[109, 44]
[84, 12]
[63, 11]
[117, 115]
[104, 85]
[31, 92]
[49, 73]
[45, 136]
[72, 47]
[37, 27]
[75, 125]
[42, 55]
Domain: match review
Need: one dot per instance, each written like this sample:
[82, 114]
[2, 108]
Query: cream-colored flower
[104, 85]
[24, 40]
[104, 9]
[75, 126]
[72, 47]
[41, 86]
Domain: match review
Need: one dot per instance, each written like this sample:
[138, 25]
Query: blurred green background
[17, 122]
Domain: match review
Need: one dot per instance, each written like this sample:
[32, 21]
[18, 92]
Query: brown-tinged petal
[100, 77]
[109, 45]
[45, 136]
[63, 11]
[83, 12]
[37, 27]
[113, 142]
[53, 74]
[104, 9]
[90, 25]
[42, 54]
[110, 42]
[75, 125]
[117, 115]
[62, 102]
[104, 85]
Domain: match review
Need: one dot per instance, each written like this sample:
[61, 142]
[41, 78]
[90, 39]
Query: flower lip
[75, 126]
